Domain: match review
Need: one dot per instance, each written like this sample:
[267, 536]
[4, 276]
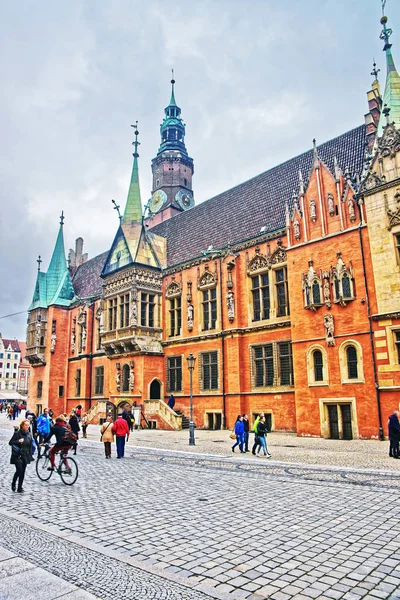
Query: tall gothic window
[352, 362]
[316, 292]
[112, 313]
[261, 297]
[209, 366]
[209, 303]
[124, 310]
[78, 376]
[147, 305]
[174, 373]
[282, 292]
[125, 378]
[346, 286]
[99, 381]
[175, 316]
[318, 365]
[264, 365]
[273, 364]
[397, 344]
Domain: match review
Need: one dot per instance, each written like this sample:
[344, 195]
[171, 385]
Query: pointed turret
[133, 208]
[172, 128]
[391, 95]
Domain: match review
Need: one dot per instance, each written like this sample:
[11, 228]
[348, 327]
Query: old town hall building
[291, 306]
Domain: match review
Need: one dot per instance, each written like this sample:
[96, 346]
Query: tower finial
[62, 218]
[39, 262]
[172, 101]
[375, 71]
[136, 143]
[116, 207]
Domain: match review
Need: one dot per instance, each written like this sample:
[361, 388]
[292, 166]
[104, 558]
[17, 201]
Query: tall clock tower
[172, 167]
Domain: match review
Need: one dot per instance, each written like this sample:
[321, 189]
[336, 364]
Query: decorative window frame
[167, 371]
[310, 366]
[343, 362]
[391, 347]
[396, 247]
[324, 417]
[277, 370]
[200, 371]
[337, 274]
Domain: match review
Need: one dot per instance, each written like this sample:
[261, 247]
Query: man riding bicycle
[64, 439]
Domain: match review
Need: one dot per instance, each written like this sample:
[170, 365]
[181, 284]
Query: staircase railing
[159, 407]
[99, 406]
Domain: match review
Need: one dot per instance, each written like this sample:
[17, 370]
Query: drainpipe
[371, 335]
[222, 347]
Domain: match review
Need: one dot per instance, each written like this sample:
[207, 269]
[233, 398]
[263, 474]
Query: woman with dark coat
[21, 454]
[74, 424]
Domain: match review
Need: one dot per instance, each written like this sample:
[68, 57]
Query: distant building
[24, 370]
[286, 289]
[10, 357]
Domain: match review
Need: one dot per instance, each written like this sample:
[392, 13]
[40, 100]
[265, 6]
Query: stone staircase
[97, 410]
[185, 420]
[160, 409]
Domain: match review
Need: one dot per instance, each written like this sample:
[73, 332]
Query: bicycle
[67, 467]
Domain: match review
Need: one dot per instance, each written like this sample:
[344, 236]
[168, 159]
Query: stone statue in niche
[296, 229]
[231, 305]
[331, 205]
[133, 315]
[84, 338]
[118, 380]
[313, 210]
[327, 294]
[306, 287]
[352, 214]
[100, 317]
[329, 329]
[37, 334]
[190, 313]
[340, 266]
[53, 342]
[73, 338]
[131, 380]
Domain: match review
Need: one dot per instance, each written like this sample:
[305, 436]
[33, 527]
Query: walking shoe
[20, 491]
[13, 487]
[233, 449]
[268, 455]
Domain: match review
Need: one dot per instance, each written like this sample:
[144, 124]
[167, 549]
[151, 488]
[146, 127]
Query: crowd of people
[12, 409]
[241, 432]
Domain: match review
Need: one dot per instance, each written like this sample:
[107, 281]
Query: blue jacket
[239, 428]
[43, 424]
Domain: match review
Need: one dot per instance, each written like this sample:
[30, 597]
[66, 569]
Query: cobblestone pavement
[175, 523]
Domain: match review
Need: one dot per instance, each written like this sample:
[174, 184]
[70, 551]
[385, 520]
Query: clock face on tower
[157, 200]
[185, 199]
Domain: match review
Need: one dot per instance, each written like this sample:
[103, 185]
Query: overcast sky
[256, 80]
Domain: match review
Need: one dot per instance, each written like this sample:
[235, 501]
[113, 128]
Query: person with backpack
[65, 439]
[74, 424]
[43, 424]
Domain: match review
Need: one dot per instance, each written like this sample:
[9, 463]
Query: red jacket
[120, 427]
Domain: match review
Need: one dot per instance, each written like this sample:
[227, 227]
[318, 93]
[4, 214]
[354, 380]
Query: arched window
[125, 378]
[337, 288]
[316, 292]
[318, 365]
[352, 362]
[346, 286]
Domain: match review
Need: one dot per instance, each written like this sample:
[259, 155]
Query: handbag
[232, 435]
[101, 437]
[16, 449]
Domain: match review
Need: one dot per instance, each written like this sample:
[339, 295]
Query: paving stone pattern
[250, 530]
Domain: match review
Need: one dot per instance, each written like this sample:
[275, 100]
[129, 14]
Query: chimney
[77, 258]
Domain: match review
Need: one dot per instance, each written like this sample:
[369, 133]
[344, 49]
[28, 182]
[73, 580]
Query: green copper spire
[133, 208]
[391, 97]
[58, 279]
[172, 128]
[172, 101]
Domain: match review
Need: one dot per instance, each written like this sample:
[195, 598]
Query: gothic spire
[133, 208]
[391, 95]
[172, 128]
[58, 280]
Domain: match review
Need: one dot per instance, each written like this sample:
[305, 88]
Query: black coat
[261, 429]
[394, 428]
[74, 424]
[25, 448]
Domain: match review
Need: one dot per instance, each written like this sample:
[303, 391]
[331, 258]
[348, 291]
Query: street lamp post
[191, 360]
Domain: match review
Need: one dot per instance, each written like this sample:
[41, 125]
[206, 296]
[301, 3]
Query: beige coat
[108, 436]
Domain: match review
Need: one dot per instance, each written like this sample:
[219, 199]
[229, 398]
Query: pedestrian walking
[256, 442]
[394, 434]
[84, 424]
[246, 432]
[262, 437]
[43, 424]
[21, 454]
[107, 436]
[239, 432]
[171, 402]
[121, 430]
[73, 423]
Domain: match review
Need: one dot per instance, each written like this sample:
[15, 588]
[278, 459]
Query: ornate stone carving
[118, 378]
[84, 334]
[190, 313]
[259, 263]
[73, 336]
[389, 143]
[173, 290]
[329, 329]
[82, 317]
[100, 318]
[131, 376]
[207, 280]
[230, 301]
[313, 210]
[53, 342]
[38, 331]
[394, 215]
[331, 205]
[327, 293]
[352, 213]
[296, 229]
[279, 256]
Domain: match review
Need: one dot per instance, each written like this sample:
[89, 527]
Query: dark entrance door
[333, 421]
[155, 390]
[346, 421]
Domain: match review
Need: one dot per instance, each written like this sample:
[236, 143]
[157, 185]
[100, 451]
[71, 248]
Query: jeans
[263, 444]
[120, 441]
[19, 474]
[107, 448]
[239, 442]
[246, 441]
[256, 443]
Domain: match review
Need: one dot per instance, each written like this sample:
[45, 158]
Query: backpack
[42, 425]
[70, 437]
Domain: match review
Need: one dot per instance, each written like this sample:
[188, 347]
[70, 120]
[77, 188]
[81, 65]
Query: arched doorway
[155, 390]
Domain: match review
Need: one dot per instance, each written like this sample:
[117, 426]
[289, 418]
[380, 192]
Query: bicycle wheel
[42, 464]
[68, 471]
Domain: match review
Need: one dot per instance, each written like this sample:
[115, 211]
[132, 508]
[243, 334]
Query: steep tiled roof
[86, 281]
[239, 213]
[14, 345]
